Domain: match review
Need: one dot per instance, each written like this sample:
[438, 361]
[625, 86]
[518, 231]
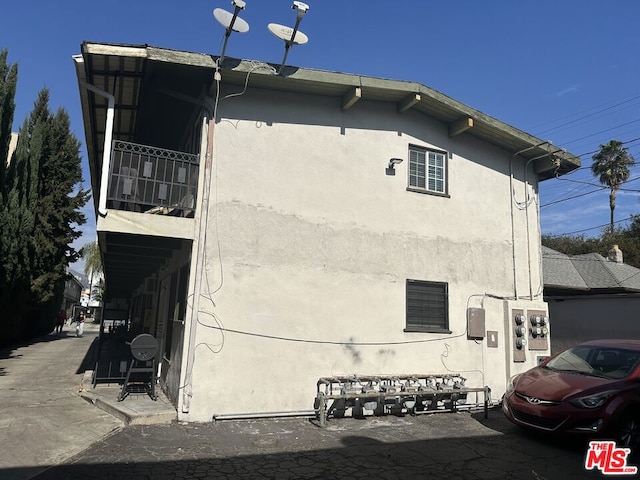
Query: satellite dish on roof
[231, 22]
[226, 20]
[291, 36]
[286, 34]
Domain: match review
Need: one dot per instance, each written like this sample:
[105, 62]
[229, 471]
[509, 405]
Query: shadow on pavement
[177, 451]
[8, 352]
[89, 360]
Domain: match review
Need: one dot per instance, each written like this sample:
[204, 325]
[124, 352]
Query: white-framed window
[427, 306]
[427, 170]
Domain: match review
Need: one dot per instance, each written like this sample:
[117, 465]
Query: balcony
[152, 180]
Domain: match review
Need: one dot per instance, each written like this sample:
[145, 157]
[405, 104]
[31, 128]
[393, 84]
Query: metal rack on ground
[381, 394]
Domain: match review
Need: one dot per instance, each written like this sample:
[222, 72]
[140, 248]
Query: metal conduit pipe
[526, 214]
[513, 227]
[187, 375]
[241, 416]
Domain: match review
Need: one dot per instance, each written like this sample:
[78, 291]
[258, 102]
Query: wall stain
[353, 351]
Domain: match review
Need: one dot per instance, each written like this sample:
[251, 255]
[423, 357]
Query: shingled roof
[588, 273]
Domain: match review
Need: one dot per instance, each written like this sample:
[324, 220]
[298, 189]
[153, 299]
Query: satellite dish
[231, 22]
[291, 36]
[286, 34]
[226, 20]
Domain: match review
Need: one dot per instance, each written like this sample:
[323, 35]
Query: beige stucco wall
[309, 244]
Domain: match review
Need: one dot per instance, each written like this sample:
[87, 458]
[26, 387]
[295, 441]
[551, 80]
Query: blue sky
[563, 70]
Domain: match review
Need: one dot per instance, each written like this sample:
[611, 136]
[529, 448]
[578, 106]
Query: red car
[592, 388]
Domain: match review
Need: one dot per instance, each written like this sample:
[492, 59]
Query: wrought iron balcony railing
[152, 180]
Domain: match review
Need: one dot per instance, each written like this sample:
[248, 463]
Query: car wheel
[629, 430]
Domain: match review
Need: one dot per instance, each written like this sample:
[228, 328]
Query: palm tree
[92, 262]
[611, 166]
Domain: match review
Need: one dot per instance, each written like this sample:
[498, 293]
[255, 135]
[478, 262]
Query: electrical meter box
[538, 326]
[519, 335]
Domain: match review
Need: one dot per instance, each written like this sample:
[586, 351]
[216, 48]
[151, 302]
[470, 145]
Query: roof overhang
[140, 77]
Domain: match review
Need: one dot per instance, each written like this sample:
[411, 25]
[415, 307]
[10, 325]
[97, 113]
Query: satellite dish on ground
[291, 36]
[231, 22]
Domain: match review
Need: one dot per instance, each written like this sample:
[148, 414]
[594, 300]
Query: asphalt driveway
[459, 445]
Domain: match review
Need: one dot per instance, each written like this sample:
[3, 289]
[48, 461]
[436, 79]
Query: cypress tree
[9, 320]
[18, 220]
[39, 222]
[57, 212]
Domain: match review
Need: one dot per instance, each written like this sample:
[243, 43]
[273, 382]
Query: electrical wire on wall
[200, 259]
[210, 171]
[316, 341]
[445, 354]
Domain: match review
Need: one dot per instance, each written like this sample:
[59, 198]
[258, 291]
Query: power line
[587, 116]
[581, 184]
[602, 131]
[591, 228]
[606, 105]
[563, 178]
[571, 198]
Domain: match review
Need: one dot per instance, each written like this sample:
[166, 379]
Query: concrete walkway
[43, 418]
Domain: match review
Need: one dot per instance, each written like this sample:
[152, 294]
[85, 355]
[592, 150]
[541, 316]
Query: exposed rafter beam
[459, 126]
[408, 102]
[351, 98]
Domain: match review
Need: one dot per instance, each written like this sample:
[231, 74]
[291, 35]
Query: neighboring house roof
[588, 273]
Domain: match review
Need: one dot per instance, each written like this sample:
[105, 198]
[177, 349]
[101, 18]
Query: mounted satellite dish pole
[231, 22]
[291, 36]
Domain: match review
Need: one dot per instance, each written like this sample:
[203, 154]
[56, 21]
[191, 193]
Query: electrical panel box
[475, 323]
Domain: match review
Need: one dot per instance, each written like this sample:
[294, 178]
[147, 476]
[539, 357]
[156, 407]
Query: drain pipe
[513, 227]
[108, 137]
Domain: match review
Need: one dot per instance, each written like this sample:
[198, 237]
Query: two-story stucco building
[271, 229]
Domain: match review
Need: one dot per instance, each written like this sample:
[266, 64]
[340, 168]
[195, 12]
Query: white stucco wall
[309, 245]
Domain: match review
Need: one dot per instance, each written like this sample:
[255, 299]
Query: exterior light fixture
[392, 164]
